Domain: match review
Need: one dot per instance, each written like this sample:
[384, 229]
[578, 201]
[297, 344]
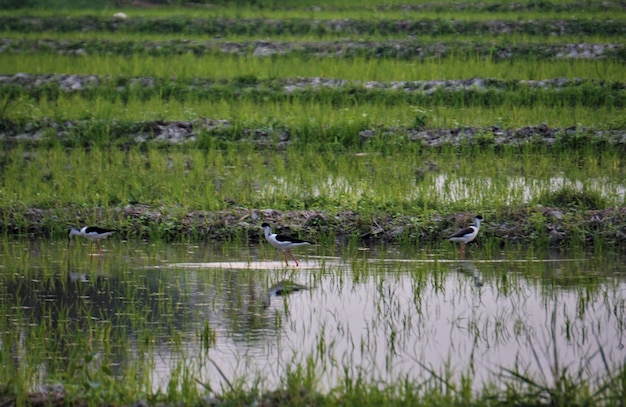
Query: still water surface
[217, 313]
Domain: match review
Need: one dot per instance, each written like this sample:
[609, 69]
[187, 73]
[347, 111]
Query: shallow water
[449, 188]
[382, 314]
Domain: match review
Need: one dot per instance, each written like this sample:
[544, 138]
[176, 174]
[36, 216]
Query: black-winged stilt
[93, 233]
[464, 236]
[283, 243]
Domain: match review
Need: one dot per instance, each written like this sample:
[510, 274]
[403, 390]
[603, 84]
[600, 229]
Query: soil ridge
[547, 226]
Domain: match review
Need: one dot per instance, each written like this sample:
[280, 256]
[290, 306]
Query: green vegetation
[217, 179]
[330, 122]
[384, 186]
[297, 18]
[180, 43]
[212, 68]
[250, 92]
[313, 109]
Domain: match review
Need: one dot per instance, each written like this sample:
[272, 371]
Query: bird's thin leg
[99, 247]
[90, 247]
[294, 259]
[462, 250]
[286, 261]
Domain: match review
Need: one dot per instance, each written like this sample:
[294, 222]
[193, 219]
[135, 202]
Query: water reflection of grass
[117, 328]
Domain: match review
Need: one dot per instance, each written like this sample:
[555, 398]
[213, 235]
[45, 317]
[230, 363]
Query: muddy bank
[75, 83]
[75, 133]
[552, 227]
[397, 49]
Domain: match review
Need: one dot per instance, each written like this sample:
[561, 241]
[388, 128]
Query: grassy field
[253, 92]
[410, 183]
[134, 82]
[218, 67]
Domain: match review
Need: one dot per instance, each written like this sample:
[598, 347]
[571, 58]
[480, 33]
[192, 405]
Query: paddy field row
[391, 85]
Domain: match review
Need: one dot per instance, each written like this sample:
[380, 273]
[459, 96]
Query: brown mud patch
[554, 227]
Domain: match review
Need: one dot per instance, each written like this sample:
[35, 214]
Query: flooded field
[229, 316]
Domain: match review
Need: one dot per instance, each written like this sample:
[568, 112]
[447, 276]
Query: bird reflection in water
[280, 289]
[467, 267]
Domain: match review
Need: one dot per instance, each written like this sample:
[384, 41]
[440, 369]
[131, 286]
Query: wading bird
[283, 243]
[464, 236]
[93, 233]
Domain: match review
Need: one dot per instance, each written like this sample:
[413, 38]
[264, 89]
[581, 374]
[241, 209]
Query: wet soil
[554, 227]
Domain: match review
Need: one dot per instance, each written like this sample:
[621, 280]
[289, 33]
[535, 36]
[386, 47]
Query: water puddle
[229, 314]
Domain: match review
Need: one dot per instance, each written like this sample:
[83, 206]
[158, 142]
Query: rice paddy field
[375, 130]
